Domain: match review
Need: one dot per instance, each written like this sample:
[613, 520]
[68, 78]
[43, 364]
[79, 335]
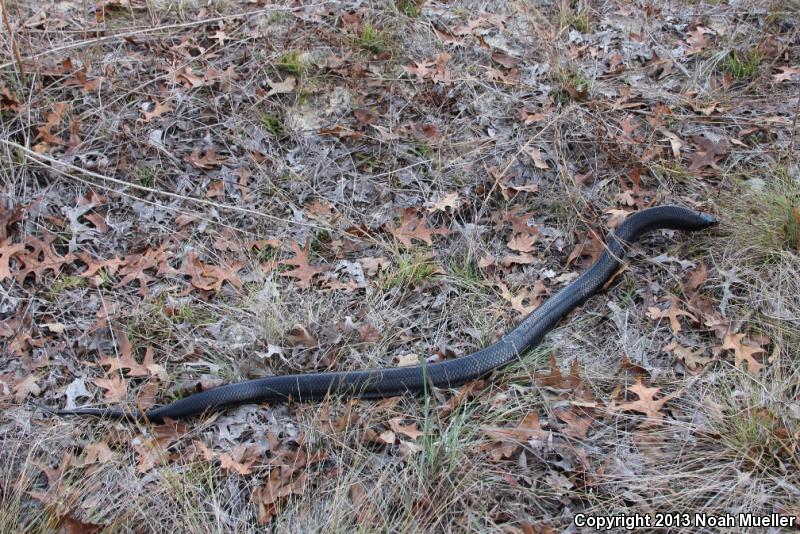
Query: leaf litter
[455, 154]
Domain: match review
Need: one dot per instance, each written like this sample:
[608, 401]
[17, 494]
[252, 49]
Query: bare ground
[446, 167]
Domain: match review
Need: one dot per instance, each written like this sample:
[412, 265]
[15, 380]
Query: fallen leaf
[693, 361]
[646, 404]
[299, 336]
[156, 111]
[617, 217]
[303, 271]
[788, 74]
[673, 312]
[578, 425]
[537, 157]
[450, 200]
[368, 333]
[116, 387]
[524, 242]
[697, 278]
[227, 463]
[286, 86]
[504, 59]
[208, 160]
[25, 387]
[710, 152]
[743, 352]
[675, 143]
[409, 430]
[97, 453]
[72, 525]
[412, 226]
[123, 362]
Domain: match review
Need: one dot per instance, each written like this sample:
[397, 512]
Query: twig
[131, 33]
[14, 46]
[794, 121]
[56, 166]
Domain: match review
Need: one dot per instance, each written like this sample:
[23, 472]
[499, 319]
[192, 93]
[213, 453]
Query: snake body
[388, 382]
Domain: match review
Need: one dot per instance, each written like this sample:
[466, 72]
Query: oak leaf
[789, 74]
[409, 430]
[646, 404]
[673, 312]
[450, 200]
[156, 111]
[286, 86]
[97, 453]
[228, 463]
[577, 425]
[116, 387]
[204, 159]
[743, 352]
[412, 226]
[303, 271]
[524, 242]
[8, 251]
[122, 362]
[25, 387]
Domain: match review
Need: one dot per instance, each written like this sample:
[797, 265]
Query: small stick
[14, 47]
[794, 121]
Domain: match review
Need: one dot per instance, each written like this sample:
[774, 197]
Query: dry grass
[729, 440]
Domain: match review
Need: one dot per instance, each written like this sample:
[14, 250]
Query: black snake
[387, 382]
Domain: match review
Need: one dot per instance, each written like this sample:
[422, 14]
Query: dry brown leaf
[299, 336]
[421, 69]
[216, 189]
[517, 259]
[210, 277]
[675, 143]
[413, 226]
[409, 430]
[97, 453]
[743, 352]
[693, 361]
[617, 217]
[122, 362]
[646, 404]
[157, 111]
[8, 251]
[227, 463]
[673, 313]
[450, 200]
[208, 159]
[505, 60]
[368, 333]
[578, 425]
[524, 242]
[372, 265]
[709, 153]
[116, 387]
[697, 278]
[537, 157]
[533, 297]
[25, 387]
[303, 271]
[788, 74]
[71, 525]
[507, 440]
[153, 368]
[286, 86]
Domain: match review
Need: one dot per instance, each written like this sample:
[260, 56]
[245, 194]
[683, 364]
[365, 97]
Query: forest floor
[194, 194]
